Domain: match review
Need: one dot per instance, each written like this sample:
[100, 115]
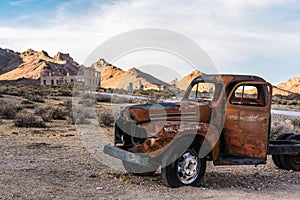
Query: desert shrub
[64, 92]
[296, 123]
[35, 98]
[26, 102]
[45, 112]
[291, 102]
[120, 91]
[88, 96]
[68, 106]
[59, 114]
[87, 102]
[142, 92]
[103, 98]
[105, 118]
[8, 110]
[28, 120]
[28, 106]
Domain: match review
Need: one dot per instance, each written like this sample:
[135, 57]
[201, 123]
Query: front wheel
[188, 169]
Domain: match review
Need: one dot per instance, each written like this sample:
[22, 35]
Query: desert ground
[53, 162]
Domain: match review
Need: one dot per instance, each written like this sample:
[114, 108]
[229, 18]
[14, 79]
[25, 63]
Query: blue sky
[241, 36]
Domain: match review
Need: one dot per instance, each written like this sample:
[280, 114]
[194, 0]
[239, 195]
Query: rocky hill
[114, 77]
[110, 75]
[183, 83]
[9, 60]
[30, 64]
[292, 85]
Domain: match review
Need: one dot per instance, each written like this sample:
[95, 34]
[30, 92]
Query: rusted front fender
[171, 131]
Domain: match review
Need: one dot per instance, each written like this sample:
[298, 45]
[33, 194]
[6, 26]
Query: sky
[240, 36]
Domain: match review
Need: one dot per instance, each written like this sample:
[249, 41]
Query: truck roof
[228, 78]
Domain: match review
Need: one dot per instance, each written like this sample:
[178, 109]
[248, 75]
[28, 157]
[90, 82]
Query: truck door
[246, 128]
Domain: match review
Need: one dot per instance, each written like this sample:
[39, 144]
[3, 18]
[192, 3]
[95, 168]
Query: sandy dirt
[54, 164]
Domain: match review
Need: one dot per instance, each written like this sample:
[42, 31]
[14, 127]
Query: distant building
[174, 84]
[87, 76]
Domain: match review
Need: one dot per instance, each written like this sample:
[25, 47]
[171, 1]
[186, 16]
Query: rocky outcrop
[9, 60]
[183, 83]
[292, 85]
[31, 64]
[140, 80]
[114, 77]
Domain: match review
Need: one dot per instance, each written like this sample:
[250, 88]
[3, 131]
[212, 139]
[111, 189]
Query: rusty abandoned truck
[221, 118]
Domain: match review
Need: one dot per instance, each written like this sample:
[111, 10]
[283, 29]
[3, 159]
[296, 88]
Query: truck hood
[178, 111]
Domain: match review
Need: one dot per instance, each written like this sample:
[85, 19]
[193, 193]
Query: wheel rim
[187, 168]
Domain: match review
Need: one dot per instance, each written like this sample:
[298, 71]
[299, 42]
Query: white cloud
[233, 32]
[19, 2]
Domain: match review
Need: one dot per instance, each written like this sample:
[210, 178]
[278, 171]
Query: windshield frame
[204, 79]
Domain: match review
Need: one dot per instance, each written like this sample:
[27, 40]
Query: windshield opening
[202, 91]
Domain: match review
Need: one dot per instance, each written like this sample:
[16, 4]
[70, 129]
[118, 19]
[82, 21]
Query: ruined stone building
[87, 76]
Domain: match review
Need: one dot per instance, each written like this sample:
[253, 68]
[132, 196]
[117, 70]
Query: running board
[239, 160]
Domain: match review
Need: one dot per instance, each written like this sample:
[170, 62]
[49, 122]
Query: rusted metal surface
[180, 111]
[246, 126]
[171, 130]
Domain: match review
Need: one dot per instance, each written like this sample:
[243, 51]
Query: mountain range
[31, 64]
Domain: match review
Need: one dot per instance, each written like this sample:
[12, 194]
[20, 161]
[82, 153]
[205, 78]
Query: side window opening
[248, 95]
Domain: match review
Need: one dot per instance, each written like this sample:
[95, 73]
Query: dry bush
[296, 124]
[292, 102]
[283, 124]
[28, 120]
[35, 98]
[87, 102]
[103, 98]
[68, 107]
[8, 110]
[45, 112]
[59, 114]
[105, 118]
[28, 104]
[88, 96]
[66, 92]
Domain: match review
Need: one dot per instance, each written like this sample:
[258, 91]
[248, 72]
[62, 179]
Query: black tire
[187, 169]
[279, 160]
[139, 170]
[293, 161]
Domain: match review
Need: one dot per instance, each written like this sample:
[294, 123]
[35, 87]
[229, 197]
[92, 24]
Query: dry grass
[284, 124]
[9, 109]
[28, 120]
[105, 118]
